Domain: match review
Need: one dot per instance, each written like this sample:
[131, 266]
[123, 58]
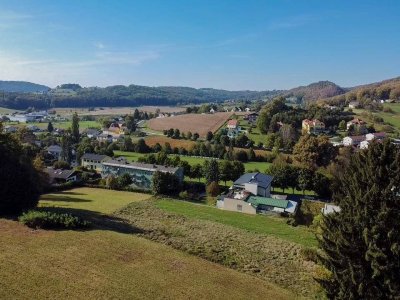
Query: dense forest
[119, 96]
[22, 87]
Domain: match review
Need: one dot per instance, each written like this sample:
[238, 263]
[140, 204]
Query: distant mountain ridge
[21, 95]
[22, 87]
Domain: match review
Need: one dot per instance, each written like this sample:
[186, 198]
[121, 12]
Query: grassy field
[256, 136]
[388, 117]
[62, 125]
[249, 166]
[4, 110]
[105, 263]
[114, 111]
[96, 200]
[239, 244]
[274, 226]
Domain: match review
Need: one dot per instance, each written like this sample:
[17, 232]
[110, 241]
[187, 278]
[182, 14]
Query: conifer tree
[361, 243]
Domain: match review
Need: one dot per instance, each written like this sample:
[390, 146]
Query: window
[239, 207]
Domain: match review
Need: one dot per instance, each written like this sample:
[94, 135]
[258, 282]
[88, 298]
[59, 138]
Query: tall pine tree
[361, 243]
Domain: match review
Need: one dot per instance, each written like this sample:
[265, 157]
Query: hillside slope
[315, 91]
[383, 90]
[22, 87]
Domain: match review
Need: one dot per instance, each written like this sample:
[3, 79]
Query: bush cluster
[52, 220]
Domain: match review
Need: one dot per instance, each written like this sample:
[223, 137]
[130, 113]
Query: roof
[54, 148]
[313, 122]
[263, 180]
[378, 134]
[139, 166]
[92, 131]
[356, 138]
[93, 156]
[255, 201]
[60, 174]
[356, 121]
[232, 122]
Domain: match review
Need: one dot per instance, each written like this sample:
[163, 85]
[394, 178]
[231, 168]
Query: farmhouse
[378, 136]
[233, 128]
[353, 140]
[92, 133]
[251, 118]
[354, 104]
[363, 140]
[55, 151]
[312, 126]
[251, 194]
[93, 161]
[57, 176]
[358, 125]
[140, 173]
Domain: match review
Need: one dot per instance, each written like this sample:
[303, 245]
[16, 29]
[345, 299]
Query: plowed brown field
[191, 122]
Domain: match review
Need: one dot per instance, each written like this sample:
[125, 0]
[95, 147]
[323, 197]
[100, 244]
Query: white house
[354, 104]
[353, 140]
[251, 194]
[330, 208]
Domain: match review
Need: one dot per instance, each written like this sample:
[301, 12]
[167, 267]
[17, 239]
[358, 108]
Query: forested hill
[71, 95]
[315, 91]
[22, 87]
[365, 94]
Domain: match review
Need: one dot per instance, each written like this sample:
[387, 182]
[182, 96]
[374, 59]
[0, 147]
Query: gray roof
[54, 148]
[140, 166]
[263, 180]
[93, 156]
[60, 174]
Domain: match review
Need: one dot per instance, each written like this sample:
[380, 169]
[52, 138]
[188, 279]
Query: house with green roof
[251, 194]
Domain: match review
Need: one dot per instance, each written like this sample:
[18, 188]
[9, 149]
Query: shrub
[213, 189]
[184, 195]
[61, 165]
[309, 254]
[51, 220]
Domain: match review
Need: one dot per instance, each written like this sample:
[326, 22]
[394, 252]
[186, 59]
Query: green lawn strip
[91, 199]
[249, 166]
[259, 224]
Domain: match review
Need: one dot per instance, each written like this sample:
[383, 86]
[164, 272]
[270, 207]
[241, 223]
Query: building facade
[93, 161]
[141, 174]
[312, 126]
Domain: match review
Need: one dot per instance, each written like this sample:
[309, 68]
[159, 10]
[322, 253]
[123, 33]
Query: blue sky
[258, 45]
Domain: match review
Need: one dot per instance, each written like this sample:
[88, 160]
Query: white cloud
[99, 45]
[55, 71]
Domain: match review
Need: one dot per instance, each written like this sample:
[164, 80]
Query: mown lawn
[109, 263]
[249, 166]
[389, 118]
[268, 225]
[96, 200]
[4, 110]
[102, 264]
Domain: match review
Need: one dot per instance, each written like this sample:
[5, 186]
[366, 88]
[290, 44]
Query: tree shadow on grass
[98, 220]
[60, 197]
[70, 193]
